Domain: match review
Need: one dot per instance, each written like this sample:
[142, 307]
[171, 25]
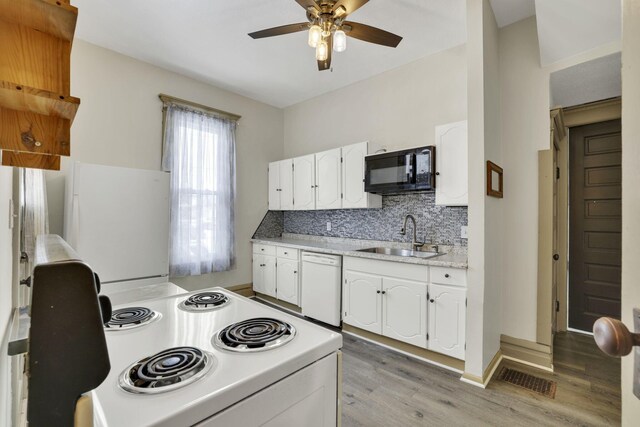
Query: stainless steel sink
[401, 252]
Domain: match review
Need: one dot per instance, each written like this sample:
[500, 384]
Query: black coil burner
[130, 317]
[167, 370]
[204, 301]
[256, 334]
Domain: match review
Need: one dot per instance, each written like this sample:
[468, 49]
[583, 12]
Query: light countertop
[453, 258]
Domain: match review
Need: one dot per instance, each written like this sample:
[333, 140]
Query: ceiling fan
[328, 28]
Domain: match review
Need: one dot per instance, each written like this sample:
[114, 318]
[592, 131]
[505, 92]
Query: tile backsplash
[439, 224]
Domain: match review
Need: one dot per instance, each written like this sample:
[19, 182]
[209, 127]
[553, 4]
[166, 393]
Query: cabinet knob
[556, 257]
[431, 300]
[286, 253]
[377, 292]
[613, 337]
[446, 275]
[262, 249]
[295, 272]
[437, 173]
[384, 292]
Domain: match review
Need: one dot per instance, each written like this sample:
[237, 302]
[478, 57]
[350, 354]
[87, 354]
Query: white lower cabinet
[276, 272]
[404, 310]
[362, 301]
[447, 314]
[264, 274]
[287, 281]
[391, 299]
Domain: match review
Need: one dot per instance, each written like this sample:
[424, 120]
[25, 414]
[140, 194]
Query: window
[199, 151]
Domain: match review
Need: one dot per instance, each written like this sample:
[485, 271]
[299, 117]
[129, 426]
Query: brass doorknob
[613, 337]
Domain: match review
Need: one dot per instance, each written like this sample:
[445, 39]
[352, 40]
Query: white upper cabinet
[304, 182]
[286, 184]
[353, 194]
[452, 188]
[281, 185]
[274, 186]
[328, 179]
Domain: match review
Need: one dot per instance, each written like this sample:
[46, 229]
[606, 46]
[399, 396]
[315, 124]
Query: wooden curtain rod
[166, 99]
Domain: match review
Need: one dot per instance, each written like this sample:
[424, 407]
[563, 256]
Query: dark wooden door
[595, 223]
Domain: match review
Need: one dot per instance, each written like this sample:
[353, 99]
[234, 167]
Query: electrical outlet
[463, 232]
[328, 225]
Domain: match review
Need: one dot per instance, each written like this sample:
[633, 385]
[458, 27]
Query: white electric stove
[214, 358]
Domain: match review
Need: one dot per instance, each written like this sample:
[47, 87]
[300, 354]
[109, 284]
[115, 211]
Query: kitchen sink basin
[401, 252]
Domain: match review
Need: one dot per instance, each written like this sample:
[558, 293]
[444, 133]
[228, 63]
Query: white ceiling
[569, 27]
[587, 82]
[207, 40]
[509, 11]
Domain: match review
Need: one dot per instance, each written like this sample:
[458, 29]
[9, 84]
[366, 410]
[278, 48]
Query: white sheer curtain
[199, 151]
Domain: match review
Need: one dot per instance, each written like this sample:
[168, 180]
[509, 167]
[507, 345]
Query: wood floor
[384, 388]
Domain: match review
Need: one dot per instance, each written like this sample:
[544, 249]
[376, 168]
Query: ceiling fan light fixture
[322, 51]
[339, 41]
[315, 35]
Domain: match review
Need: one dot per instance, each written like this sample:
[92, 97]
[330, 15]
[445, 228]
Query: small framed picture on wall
[495, 180]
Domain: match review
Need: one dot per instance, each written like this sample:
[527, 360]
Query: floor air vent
[539, 385]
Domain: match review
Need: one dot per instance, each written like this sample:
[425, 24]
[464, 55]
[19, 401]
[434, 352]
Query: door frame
[595, 112]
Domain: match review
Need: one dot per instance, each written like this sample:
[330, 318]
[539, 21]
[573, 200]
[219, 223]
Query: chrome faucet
[414, 243]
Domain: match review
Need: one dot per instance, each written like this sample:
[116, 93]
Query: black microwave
[401, 171]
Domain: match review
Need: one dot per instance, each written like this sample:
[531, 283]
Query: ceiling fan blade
[278, 31]
[371, 34]
[325, 65]
[349, 6]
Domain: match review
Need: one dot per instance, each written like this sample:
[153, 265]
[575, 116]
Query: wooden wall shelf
[34, 133]
[36, 110]
[24, 98]
[57, 18]
[30, 160]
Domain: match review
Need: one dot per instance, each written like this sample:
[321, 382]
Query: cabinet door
[328, 180]
[353, 195]
[451, 164]
[274, 186]
[404, 310]
[447, 312]
[258, 276]
[269, 275]
[304, 181]
[286, 184]
[288, 283]
[361, 301]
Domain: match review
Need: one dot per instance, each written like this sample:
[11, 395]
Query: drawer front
[449, 276]
[264, 249]
[288, 253]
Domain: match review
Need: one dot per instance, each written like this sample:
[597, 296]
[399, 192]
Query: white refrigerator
[117, 219]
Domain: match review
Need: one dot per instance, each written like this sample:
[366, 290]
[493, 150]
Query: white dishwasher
[322, 287]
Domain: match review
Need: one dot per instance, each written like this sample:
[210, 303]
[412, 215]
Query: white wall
[494, 207]
[630, 194]
[120, 123]
[525, 105]
[394, 110]
[6, 284]
[485, 213]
